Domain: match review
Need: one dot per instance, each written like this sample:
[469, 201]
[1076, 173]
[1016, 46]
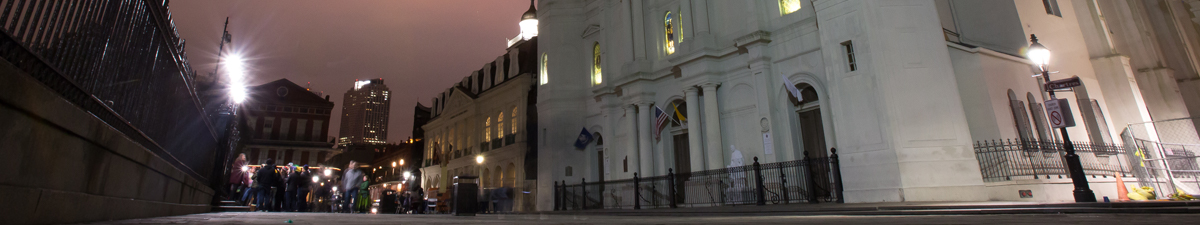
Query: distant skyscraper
[365, 113]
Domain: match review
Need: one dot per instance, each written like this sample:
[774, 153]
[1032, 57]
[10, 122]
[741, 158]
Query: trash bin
[466, 195]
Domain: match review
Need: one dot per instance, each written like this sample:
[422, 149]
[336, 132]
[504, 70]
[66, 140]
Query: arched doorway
[679, 135]
[809, 121]
[510, 176]
[600, 170]
[496, 179]
[808, 127]
[483, 178]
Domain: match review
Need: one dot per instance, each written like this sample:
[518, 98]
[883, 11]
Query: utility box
[466, 195]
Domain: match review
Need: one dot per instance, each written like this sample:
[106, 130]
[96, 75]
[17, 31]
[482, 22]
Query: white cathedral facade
[901, 88]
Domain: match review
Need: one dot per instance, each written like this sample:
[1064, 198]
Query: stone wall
[60, 164]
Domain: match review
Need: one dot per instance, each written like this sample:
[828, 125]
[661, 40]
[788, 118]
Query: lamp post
[1041, 56]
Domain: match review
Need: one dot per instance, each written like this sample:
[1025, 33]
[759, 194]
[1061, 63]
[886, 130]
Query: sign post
[1064, 83]
[1059, 111]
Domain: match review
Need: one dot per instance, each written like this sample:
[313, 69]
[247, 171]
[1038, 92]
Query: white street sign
[1059, 113]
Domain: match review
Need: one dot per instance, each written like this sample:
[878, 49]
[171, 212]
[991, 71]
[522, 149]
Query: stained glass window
[788, 6]
[596, 78]
[669, 31]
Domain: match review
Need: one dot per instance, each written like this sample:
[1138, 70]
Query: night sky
[419, 48]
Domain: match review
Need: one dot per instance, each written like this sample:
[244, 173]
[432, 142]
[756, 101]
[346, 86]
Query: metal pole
[1082, 192]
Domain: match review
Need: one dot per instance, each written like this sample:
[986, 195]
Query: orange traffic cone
[1122, 193]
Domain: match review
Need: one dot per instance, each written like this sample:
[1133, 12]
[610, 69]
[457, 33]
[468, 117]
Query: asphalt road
[328, 218]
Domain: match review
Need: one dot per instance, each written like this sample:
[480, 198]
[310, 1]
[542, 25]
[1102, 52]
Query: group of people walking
[280, 189]
[290, 188]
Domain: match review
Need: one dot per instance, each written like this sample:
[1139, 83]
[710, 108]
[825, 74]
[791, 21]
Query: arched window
[500, 125]
[544, 78]
[669, 34]
[513, 121]
[788, 6]
[487, 129]
[596, 78]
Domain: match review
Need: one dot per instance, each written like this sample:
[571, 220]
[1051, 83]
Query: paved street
[326, 218]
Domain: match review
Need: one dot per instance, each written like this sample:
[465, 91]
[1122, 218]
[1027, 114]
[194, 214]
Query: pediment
[591, 29]
[458, 99]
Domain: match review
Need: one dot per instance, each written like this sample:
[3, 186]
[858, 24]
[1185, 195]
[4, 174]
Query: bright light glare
[237, 93]
[245, 168]
[334, 188]
[316, 179]
[528, 28]
[374, 210]
[407, 175]
[235, 68]
[328, 172]
[1039, 55]
[359, 84]
[479, 159]
[401, 162]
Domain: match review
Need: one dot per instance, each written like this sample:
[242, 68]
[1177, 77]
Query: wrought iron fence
[809, 180]
[120, 60]
[1002, 160]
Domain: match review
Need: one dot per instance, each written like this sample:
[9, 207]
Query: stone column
[695, 147]
[712, 126]
[646, 159]
[632, 115]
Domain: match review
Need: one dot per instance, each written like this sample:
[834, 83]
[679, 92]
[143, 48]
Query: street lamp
[1041, 56]
[235, 69]
[479, 159]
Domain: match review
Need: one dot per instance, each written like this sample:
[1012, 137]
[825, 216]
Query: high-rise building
[365, 113]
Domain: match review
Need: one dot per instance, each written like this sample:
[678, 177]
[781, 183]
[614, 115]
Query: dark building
[286, 122]
[365, 113]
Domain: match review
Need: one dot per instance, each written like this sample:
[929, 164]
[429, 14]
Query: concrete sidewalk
[536, 219]
[907, 208]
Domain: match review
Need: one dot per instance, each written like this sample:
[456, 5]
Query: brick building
[288, 123]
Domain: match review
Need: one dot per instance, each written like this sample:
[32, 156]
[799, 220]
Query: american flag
[660, 122]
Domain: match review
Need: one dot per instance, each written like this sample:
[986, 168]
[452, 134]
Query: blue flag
[585, 137]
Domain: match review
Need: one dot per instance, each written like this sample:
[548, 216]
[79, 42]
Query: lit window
[487, 130]
[500, 125]
[788, 6]
[669, 41]
[513, 121]
[596, 77]
[544, 78]
[850, 63]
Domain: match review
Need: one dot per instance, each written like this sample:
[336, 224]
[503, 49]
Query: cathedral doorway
[811, 135]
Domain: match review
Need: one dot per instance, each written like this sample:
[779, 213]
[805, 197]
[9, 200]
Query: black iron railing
[1002, 160]
[810, 180]
[120, 60]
